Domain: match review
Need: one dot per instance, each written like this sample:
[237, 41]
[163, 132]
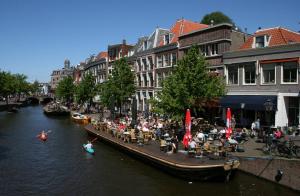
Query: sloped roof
[101, 55]
[278, 36]
[181, 27]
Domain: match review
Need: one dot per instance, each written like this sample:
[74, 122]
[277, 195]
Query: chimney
[212, 23]
[124, 41]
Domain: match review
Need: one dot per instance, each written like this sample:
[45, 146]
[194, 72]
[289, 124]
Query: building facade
[58, 75]
[97, 66]
[263, 78]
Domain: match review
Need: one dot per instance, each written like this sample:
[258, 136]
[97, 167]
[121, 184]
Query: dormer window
[167, 39]
[262, 41]
[145, 45]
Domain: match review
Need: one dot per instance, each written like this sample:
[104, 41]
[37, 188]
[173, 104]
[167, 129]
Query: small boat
[80, 118]
[89, 150]
[43, 138]
[56, 109]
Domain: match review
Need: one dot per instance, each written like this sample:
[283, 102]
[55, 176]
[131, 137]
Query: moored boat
[80, 118]
[56, 109]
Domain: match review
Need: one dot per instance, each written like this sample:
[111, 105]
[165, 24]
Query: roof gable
[278, 36]
[182, 27]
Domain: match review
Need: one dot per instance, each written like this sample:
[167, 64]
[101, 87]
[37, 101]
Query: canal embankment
[279, 170]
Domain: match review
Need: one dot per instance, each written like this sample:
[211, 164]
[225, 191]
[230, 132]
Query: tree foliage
[12, 84]
[86, 90]
[217, 18]
[65, 89]
[120, 86]
[190, 86]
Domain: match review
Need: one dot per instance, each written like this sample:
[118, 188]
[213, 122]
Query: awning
[279, 60]
[249, 102]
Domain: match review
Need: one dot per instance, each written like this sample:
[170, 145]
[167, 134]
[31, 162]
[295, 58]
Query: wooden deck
[179, 164]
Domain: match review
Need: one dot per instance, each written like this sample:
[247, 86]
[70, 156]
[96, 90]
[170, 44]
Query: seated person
[278, 134]
[89, 145]
[192, 145]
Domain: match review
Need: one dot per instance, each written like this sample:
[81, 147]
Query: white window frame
[262, 74]
[244, 76]
[297, 68]
[227, 73]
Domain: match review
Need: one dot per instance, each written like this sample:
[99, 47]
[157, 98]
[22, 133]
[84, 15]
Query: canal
[59, 166]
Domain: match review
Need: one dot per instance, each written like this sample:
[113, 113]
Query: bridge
[41, 99]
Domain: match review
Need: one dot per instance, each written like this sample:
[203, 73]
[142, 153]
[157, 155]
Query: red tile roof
[101, 55]
[278, 36]
[182, 27]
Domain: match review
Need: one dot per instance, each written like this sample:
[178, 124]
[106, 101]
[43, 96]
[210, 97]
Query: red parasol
[187, 135]
[228, 123]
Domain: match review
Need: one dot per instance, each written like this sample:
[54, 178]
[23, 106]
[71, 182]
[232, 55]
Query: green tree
[190, 86]
[217, 18]
[35, 87]
[65, 89]
[86, 90]
[7, 87]
[21, 85]
[120, 86]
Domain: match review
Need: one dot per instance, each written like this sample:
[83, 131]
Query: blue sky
[36, 36]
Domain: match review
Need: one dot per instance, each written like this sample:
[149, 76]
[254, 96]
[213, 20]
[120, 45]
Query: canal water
[59, 166]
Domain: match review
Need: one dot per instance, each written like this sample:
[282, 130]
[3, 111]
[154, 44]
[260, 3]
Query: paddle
[94, 140]
[49, 131]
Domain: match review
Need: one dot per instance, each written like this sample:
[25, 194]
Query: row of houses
[261, 70]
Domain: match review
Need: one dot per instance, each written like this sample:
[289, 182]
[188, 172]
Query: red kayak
[43, 138]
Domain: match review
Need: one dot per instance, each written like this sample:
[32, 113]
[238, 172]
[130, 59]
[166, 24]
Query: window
[158, 80]
[167, 39]
[145, 80]
[232, 75]
[268, 74]
[159, 61]
[166, 60]
[204, 50]
[173, 59]
[290, 72]
[150, 62]
[214, 49]
[144, 64]
[139, 65]
[249, 74]
[260, 42]
[139, 81]
[151, 80]
[145, 45]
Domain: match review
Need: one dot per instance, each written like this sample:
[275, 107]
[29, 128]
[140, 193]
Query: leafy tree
[86, 90]
[7, 87]
[217, 17]
[21, 85]
[65, 89]
[120, 86]
[35, 87]
[190, 86]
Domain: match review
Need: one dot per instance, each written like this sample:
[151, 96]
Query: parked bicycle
[281, 148]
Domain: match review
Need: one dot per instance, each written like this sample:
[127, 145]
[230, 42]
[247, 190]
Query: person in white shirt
[89, 145]
[192, 145]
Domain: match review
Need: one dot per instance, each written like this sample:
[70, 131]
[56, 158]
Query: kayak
[89, 150]
[43, 138]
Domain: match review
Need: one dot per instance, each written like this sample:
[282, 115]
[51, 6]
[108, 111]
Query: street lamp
[133, 111]
[242, 108]
[269, 108]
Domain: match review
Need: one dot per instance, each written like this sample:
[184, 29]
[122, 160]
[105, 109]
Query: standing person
[257, 127]
[253, 127]
[233, 122]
